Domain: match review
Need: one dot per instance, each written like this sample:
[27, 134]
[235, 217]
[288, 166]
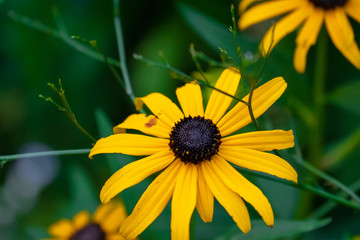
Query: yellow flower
[104, 225]
[192, 145]
[312, 13]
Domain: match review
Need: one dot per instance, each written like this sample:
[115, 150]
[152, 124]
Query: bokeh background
[35, 192]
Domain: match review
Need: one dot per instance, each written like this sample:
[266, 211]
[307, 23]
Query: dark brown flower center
[194, 139]
[328, 4]
[91, 231]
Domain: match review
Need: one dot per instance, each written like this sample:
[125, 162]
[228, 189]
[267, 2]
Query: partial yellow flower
[103, 225]
[311, 14]
[193, 148]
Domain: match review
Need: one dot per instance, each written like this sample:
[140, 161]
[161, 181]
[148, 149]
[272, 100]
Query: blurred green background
[61, 186]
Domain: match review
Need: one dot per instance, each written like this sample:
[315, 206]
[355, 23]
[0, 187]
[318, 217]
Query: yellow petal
[342, 35]
[284, 26]
[261, 140]
[219, 102]
[307, 37]
[267, 10]
[146, 124]
[352, 7]
[134, 173]
[263, 97]
[248, 191]
[259, 161]
[163, 108]
[230, 200]
[151, 203]
[244, 4]
[183, 201]
[311, 28]
[300, 58]
[205, 200]
[81, 219]
[131, 144]
[114, 218]
[103, 210]
[62, 229]
[115, 237]
[190, 98]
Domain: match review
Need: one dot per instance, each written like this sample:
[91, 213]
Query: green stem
[253, 119]
[121, 49]
[316, 146]
[330, 179]
[328, 206]
[6, 158]
[304, 186]
[184, 77]
[320, 174]
[36, 25]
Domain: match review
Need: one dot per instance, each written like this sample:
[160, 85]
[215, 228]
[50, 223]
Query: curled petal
[162, 107]
[146, 124]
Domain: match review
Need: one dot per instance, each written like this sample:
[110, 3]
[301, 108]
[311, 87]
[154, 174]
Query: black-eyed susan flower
[193, 147]
[311, 14]
[103, 225]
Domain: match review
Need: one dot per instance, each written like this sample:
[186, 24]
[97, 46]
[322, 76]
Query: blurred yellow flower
[312, 14]
[194, 148]
[104, 224]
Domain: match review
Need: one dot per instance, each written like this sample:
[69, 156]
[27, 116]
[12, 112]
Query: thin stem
[304, 186]
[121, 49]
[36, 25]
[253, 119]
[6, 158]
[316, 146]
[330, 179]
[93, 45]
[328, 206]
[184, 77]
[66, 108]
[196, 62]
[322, 175]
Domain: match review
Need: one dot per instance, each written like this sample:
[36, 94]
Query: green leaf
[281, 229]
[347, 97]
[83, 193]
[214, 33]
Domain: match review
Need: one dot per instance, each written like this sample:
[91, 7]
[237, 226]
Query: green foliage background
[29, 59]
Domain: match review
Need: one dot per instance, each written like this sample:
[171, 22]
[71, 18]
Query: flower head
[193, 148]
[104, 224]
[311, 14]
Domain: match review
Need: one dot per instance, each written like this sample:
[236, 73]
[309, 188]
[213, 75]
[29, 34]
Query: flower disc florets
[91, 231]
[194, 139]
[328, 4]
